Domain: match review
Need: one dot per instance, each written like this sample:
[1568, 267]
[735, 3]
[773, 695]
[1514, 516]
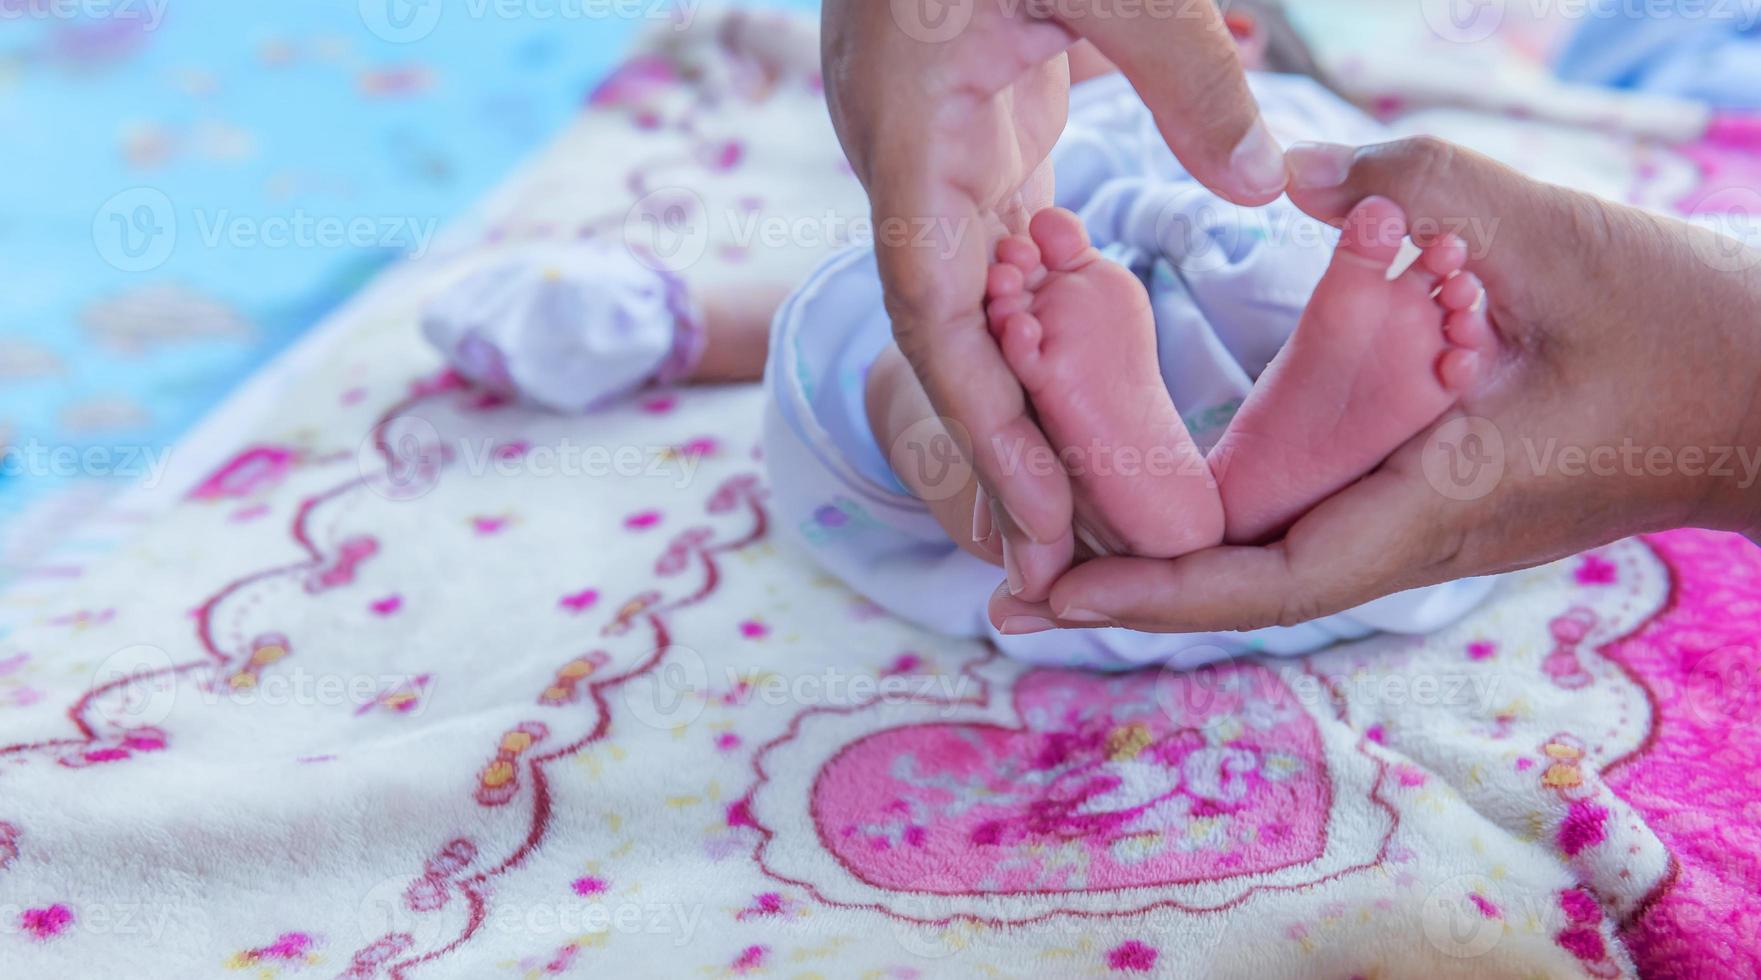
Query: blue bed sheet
[190, 184]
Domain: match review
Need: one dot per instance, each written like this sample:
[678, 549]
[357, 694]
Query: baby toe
[1458, 368]
[1061, 237]
[1004, 279]
[1461, 291]
[1445, 256]
[1469, 329]
[1020, 342]
[999, 310]
[1018, 251]
[1373, 231]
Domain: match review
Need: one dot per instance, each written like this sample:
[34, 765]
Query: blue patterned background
[190, 184]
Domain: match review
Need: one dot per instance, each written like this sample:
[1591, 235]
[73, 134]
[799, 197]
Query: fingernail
[1019, 625]
[1013, 570]
[1319, 165]
[981, 517]
[1019, 524]
[1084, 616]
[1258, 161]
[1094, 544]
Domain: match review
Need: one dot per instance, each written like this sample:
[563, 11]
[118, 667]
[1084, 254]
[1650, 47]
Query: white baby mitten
[567, 326]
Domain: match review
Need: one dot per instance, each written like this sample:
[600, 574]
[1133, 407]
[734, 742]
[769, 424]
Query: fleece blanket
[424, 684]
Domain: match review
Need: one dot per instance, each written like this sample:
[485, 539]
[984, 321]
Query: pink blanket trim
[1697, 778]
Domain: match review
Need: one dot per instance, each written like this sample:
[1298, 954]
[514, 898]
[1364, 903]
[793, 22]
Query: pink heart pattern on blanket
[1112, 782]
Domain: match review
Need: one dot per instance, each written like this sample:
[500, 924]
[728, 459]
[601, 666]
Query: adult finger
[1183, 63]
[1387, 533]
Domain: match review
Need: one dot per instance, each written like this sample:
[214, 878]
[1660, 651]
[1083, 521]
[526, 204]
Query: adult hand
[1624, 401]
[948, 123]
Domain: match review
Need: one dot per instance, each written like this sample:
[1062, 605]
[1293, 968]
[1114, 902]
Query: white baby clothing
[566, 325]
[1227, 286]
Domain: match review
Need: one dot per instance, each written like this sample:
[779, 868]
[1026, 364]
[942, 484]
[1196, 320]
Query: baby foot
[1372, 363]
[1077, 331]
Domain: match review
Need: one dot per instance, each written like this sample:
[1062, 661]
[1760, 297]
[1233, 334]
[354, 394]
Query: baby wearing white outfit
[1227, 285]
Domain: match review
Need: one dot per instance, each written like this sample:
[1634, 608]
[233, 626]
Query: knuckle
[1415, 162]
[1429, 153]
